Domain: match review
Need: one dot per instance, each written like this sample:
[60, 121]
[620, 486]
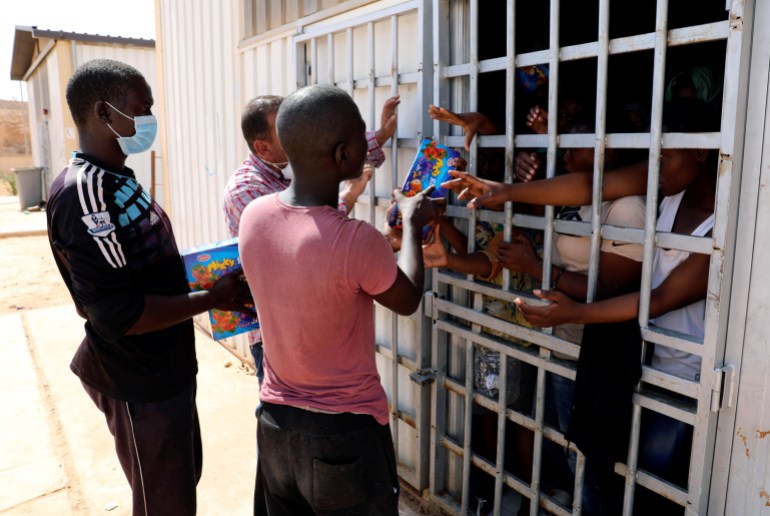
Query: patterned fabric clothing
[487, 362]
[488, 237]
[255, 178]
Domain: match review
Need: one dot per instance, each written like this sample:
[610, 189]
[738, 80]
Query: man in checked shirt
[265, 172]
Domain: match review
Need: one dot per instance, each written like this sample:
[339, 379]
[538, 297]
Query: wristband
[341, 206]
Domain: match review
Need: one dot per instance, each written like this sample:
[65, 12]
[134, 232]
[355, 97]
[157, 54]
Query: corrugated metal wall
[203, 101]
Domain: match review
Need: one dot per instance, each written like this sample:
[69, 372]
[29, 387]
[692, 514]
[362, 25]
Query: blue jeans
[257, 354]
[664, 447]
[559, 394]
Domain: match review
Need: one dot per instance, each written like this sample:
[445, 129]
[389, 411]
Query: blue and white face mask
[146, 128]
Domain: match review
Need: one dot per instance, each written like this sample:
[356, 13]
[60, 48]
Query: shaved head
[314, 120]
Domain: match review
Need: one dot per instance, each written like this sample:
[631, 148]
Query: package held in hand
[204, 265]
[431, 166]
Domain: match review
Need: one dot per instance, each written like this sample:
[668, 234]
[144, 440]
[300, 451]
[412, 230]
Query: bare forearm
[476, 263]
[487, 126]
[410, 258]
[161, 312]
[576, 189]
[566, 190]
[453, 236]
[616, 309]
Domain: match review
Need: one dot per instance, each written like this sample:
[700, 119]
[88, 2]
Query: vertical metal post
[600, 129]
[371, 97]
[467, 427]
[721, 267]
[314, 61]
[351, 71]
[473, 102]
[394, 177]
[25, 114]
[330, 59]
[553, 103]
[510, 110]
[502, 398]
[658, 84]
[439, 340]
[394, 183]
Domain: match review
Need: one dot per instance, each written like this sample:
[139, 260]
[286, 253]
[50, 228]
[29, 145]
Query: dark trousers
[311, 463]
[159, 448]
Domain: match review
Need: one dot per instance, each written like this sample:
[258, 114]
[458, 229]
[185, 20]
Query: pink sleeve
[372, 264]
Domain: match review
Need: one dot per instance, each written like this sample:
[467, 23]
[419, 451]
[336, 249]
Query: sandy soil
[31, 279]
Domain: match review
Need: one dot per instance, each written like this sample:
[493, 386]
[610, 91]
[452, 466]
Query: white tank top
[690, 319]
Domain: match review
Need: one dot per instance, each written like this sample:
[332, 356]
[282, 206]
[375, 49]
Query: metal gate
[427, 364]
[459, 322]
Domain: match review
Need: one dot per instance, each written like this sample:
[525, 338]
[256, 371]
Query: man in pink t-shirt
[323, 436]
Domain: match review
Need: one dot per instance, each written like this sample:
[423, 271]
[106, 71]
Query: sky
[127, 18]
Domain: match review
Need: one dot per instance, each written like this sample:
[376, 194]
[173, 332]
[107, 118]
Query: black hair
[254, 118]
[689, 115]
[692, 115]
[314, 119]
[99, 79]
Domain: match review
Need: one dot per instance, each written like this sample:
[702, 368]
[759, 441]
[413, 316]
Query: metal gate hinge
[423, 376]
[427, 303]
[724, 388]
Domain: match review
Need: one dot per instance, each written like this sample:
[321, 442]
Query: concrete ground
[56, 454]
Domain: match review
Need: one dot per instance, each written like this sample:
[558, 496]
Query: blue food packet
[431, 166]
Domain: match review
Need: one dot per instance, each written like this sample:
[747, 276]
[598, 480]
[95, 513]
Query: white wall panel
[203, 97]
[409, 30]
[203, 103]
[56, 104]
[35, 108]
[268, 68]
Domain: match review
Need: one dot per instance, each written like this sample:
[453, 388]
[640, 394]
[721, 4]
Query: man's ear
[102, 112]
[262, 149]
[341, 154]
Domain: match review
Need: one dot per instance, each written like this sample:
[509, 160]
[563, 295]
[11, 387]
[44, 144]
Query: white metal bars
[687, 35]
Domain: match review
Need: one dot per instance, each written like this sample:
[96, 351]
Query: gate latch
[724, 392]
[428, 303]
[424, 376]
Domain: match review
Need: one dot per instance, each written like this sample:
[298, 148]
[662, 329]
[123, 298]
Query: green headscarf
[707, 81]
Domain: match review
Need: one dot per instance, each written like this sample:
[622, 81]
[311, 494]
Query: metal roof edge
[92, 38]
[21, 57]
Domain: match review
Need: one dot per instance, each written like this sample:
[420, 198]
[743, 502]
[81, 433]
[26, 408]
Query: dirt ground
[31, 280]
